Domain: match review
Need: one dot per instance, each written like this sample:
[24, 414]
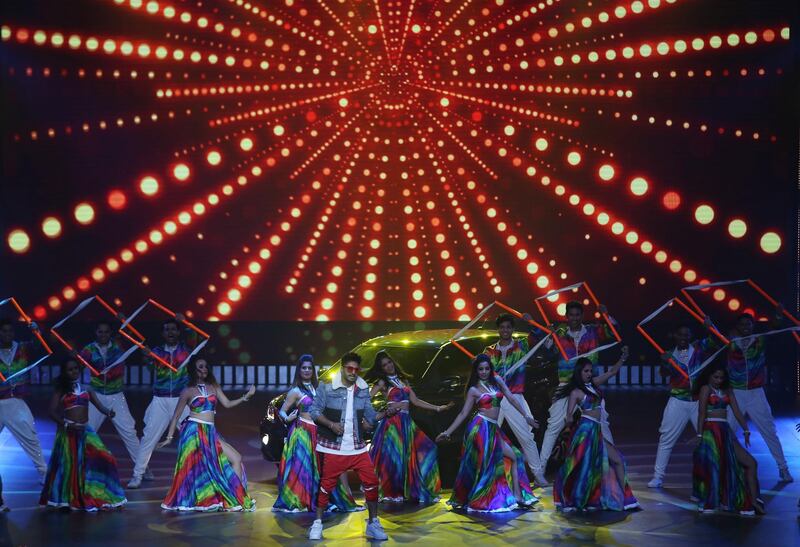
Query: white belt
[716, 420]
[199, 420]
[488, 419]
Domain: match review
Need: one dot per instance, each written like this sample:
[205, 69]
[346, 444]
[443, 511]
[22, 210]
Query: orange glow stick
[700, 318]
[774, 302]
[462, 348]
[70, 348]
[661, 351]
[149, 353]
[185, 322]
[605, 315]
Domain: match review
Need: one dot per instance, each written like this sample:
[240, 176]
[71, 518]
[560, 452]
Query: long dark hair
[298, 380]
[575, 382]
[375, 373]
[705, 377]
[191, 370]
[474, 378]
[62, 383]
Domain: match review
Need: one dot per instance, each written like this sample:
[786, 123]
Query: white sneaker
[785, 475]
[148, 475]
[655, 482]
[375, 530]
[540, 480]
[315, 532]
[4, 508]
[135, 482]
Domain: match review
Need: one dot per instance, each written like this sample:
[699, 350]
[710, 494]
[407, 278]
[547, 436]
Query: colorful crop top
[717, 400]
[591, 401]
[76, 398]
[307, 394]
[490, 400]
[203, 402]
[397, 393]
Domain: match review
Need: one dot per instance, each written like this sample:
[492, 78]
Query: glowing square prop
[78, 309]
[687, 293]
[661, 350]
[574, 287]
[25, 317]
[138, 339]
[515, 313]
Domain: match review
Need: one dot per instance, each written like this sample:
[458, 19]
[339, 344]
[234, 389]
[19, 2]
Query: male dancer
[576, 339]
[167, 388]
[343, 412]
[108, 387]
[680, 407]
[14, 412]
[747, 367]
[505, 354]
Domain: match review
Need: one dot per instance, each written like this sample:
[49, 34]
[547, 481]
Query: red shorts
[333, 465]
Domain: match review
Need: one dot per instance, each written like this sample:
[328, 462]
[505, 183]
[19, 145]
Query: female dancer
[209, 475]
[592, 476]
[82, 473]
[404, 457]
[298, 472]
[488, 461]
[724, 475]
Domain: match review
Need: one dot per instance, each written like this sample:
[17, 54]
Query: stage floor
[667, 518]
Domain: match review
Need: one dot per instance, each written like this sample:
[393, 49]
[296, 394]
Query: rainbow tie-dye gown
[718, 480]
[204, 479]
[82, 473]
[405, 458]
[484, 481]
[298, 472]
[586, 481]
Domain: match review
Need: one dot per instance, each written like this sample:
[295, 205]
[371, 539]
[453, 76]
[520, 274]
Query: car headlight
[265, 440]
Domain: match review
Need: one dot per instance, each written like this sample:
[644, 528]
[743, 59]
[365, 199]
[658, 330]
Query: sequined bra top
[307, 394]
[490, 400]
[76, 398]
[591, 401]
[203, 402]
[717, 400]
[397, 392]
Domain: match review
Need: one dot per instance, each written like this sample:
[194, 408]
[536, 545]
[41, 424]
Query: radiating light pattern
[382, 160]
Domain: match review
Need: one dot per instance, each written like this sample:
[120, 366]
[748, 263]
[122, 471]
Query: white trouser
[753, 404]
[17, 417]
[156, 420]
[555, 423]
[676, 414]
[521, 428]
[122, 420]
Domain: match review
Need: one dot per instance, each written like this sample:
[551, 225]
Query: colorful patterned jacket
[110, 382]
[168, 383]
[679, 386]
[23, 354]
[519, 347]
[748, 368]
[593, 337]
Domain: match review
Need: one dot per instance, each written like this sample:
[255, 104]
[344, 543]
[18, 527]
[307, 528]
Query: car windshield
[413, 359]
[428, 364]
[451, 361]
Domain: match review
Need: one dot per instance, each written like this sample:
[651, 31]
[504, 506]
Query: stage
[667, 518]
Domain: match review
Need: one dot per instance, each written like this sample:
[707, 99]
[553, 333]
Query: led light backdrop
[405, 159]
